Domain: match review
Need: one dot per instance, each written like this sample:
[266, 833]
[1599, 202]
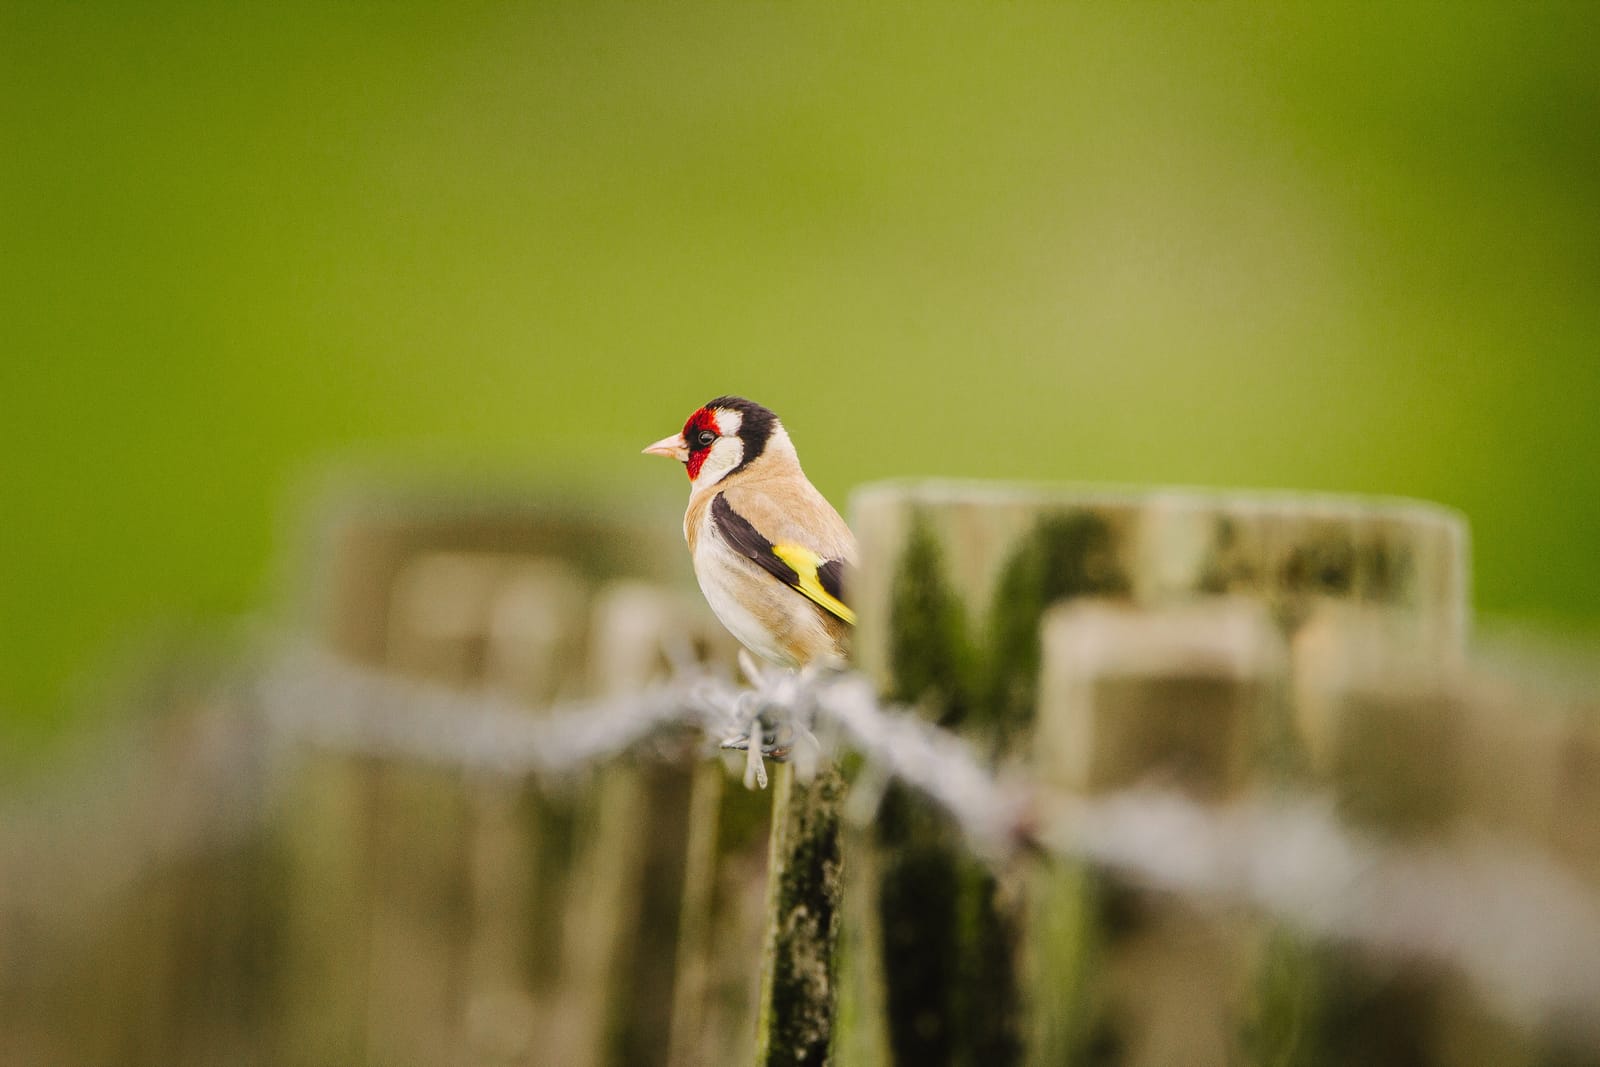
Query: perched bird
[770, 552]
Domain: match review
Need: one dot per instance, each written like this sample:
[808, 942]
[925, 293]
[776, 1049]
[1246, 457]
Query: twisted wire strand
[1525, 931]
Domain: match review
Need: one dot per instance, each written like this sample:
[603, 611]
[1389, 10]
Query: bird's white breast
[763, 614]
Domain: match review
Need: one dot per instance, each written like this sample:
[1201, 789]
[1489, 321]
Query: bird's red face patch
[702, 421]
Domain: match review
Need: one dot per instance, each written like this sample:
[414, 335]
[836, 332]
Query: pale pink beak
[674, 447]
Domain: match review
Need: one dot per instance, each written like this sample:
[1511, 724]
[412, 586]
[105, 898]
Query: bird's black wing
[819, 580]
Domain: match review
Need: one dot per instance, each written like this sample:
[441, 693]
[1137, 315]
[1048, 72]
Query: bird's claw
[776, 744]
[773, 750]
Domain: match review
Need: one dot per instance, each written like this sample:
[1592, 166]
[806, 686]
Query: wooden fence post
[403, 879]
[624, 916]
[954, 582]
[798, 980]
[530, 645]
[1180, 699]
[1422, 750]
[1388, 739]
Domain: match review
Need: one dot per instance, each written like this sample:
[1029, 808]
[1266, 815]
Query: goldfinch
[769, 551]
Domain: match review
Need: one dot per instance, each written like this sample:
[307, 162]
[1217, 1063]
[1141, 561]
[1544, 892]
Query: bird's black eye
[704, 438]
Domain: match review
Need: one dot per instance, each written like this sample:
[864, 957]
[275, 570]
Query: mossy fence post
[447, 916]
[799, 978]
[954, 584]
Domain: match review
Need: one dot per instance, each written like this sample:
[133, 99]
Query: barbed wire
[1522, 929]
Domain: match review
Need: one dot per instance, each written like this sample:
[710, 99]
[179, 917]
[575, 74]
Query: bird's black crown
[755, 426]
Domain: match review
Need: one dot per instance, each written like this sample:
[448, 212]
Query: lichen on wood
[798, 980]
[984, 966]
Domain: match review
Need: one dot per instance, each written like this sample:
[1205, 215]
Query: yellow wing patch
[805, 562]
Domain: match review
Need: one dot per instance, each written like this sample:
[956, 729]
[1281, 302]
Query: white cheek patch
[725, 455]
[729, 421]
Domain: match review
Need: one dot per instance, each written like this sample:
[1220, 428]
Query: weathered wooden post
[955, 580]
[453, 854]
[1499, 753]
[1388, 738]
[716, 992]
[137, 907]
[799, 981]
[530, 646]
[1181, 699]
[391, 866]
[1533, 749]
[636, 848]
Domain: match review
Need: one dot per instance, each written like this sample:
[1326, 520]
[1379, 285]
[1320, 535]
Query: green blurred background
[1344, 247]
